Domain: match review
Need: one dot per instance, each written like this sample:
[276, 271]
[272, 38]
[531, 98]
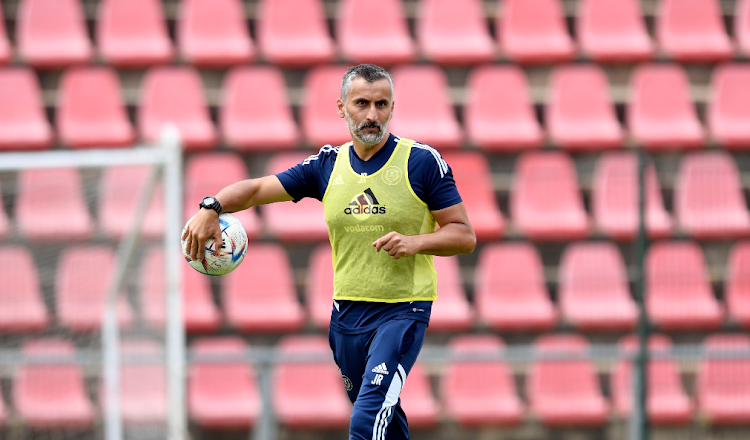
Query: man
[382, 197]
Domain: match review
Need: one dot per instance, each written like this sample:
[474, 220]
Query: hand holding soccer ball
[225, 258]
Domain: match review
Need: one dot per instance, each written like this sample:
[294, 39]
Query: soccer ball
[228, 256]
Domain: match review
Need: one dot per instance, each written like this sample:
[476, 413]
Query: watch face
[208, 201]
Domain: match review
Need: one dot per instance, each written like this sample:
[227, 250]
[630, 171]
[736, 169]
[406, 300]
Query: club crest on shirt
[347, 383]
[392, 175]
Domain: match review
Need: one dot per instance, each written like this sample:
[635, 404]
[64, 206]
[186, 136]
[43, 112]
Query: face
[367, 110]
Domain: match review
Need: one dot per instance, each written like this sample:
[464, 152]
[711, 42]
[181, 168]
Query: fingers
[380, 242]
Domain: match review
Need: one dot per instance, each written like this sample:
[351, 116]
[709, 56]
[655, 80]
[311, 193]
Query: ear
[340, 104]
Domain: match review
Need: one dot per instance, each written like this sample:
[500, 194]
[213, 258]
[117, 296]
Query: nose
[372, 113]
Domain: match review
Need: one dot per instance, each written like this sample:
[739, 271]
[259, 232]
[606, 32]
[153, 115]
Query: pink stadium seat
[708, 197]
[613, 31]
[319, 289]
[23, 123]
[391, 44]
[308, 394]
[742, 26]
[723, 384]
[692, 31]
[247, 126]
[593, 288]
[533, 31]
[52, 395]
[737, 284]
[728, 110]
[50, 205]
[319, 117]
[84, 275]
[480, 392]
[614, 200]
[417, 399]
[259, 296]
[678, 290]
[545, 202]
[52, 33]
[661, 114]
[120, 192]
[565, 392]
[213, 33]
[143, 384]
[133, 33]
[6, 50]
[222, 395]
[454, 32]
[288, 221]
[452, 311]
[21, 305]
[294, 32]
[416, 89]
[510, 291]
[580, 115]
[175, 95]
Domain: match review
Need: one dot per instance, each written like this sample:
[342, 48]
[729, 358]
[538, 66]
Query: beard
[369, 140]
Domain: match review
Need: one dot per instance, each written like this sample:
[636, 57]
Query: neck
[366, 153]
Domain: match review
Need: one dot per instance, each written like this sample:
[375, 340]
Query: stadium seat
[499, 115]
[199, 312]
[614, 199]
[418, 88]
[593, 288]
[728, 110]
[692, 31]
[613, 31]
[308, 394]
[723, 384]
[661, 114]
[143, 384]
[260, 295]
[666, 400]
[23, 123]
[90, 110]
[82, 283]
[452, 311]
[319, 288]
[742, 26]
[120, 191]
[6, 55]
[247, 126]
[533, 31]
[51, 395]
[52, 33]
[454, 32]
[480, 392]
[678, 290]
[565, 392]
[50, 205]
[579, 114]
[416, 397]
[708, 197]
[545, 202]
[391, 44]
[213, 33]
[21, 306]
[287, 221]
[175, 95]
[222, 395]
[510, 290]
[133, 33]
[319, 117]
[294, 33]
[737, 284]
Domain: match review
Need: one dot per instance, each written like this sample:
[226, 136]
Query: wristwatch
[211, 203]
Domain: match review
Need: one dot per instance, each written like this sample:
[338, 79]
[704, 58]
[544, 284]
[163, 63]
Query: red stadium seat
[593, 288]
[143, 384]
[545, 202]
[6, 51]
[294, 32]
[510, 291]
[319, 117]
[708, 198]
[692, 31]
[21, 305]
[23, 123]
[52, 33]
[133, 33]
[728, 110]
[565, 392]
[319, 289]
[175, 95]
[120, 192]
[742, 26]
[247, 126]
[499, 114]
[723, 384]
[222, 395]
[454, 32]
[307, 394]
[737, 284]
[533, 31]
[424, 87]
[213, 33]
[52, 395]
[391, 44]
[50, 205]
[417, 399]
[661, 114]
[579, 113]
[480, 392]
[678, 290]
[452, 311]
[613, 31]
[259, 296]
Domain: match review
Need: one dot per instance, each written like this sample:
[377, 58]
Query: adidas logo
[380, 369]
[338, 180]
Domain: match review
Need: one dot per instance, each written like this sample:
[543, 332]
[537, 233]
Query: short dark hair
[368, 72]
